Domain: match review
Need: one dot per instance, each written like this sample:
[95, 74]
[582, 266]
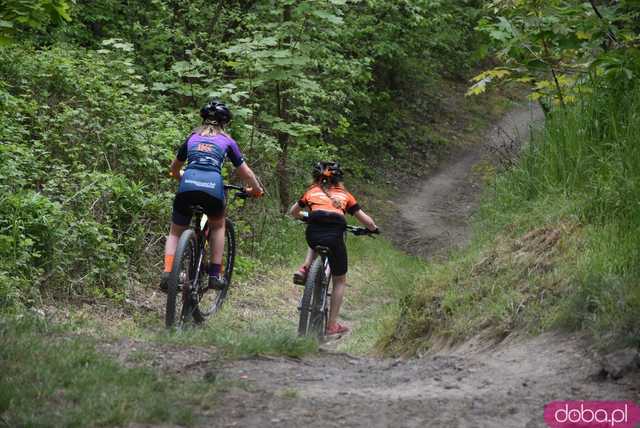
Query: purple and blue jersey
[205, 157]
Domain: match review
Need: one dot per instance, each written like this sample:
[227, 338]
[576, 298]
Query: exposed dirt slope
[506, 386]
[435, 218]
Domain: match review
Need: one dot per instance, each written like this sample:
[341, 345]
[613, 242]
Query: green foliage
[30, 14]
[93, 109]
[83, 161]
[589, 153]
[54, 379]
[554, 45]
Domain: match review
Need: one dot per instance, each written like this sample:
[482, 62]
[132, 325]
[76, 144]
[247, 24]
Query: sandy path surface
[506, 386]
[435, 218]
[471, 386]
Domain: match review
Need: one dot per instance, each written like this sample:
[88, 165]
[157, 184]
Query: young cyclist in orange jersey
[326, 203]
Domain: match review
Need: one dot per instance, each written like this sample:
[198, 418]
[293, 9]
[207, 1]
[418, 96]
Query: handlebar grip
[233, 187]
[360, 231]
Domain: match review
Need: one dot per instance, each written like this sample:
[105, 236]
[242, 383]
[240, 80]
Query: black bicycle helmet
[328, 169]
[216, 111]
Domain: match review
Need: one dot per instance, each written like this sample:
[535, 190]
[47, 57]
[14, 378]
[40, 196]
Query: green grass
[236, 338]
[53, 378]
[576, 185]
[379, 276]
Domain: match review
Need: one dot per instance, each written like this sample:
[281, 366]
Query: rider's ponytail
[209, 128]
[326, 184]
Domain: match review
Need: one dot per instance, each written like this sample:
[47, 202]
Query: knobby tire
[184, 261]
[312, 317]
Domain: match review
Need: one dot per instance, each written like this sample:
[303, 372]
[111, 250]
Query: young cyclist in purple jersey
[201, 183]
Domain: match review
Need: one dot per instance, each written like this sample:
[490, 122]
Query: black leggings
[330, 235]
[183, 203]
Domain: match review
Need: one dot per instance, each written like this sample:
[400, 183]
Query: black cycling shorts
[330, 235]
[184, 201]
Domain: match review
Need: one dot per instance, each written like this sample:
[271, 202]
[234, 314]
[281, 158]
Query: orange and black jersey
[329, 205]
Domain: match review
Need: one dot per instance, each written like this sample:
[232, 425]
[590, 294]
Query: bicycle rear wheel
[313, 308]
[179, 309]
[211, 300]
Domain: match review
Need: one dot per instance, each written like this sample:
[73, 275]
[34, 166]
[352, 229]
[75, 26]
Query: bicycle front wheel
[313, 306]
[211, 300]
[179, 309]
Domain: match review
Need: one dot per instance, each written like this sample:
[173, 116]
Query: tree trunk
[283, 142]
[283, 138]
[283, 173]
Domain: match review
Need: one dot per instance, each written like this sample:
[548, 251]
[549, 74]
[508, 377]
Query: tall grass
[587, 160]
[579, 177]
[589, 151]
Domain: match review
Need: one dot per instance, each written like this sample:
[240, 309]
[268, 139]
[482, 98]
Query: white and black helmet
[216, 111]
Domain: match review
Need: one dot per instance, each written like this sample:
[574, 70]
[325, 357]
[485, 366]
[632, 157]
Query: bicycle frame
[324, 304]
[202, 234]
[201, 229]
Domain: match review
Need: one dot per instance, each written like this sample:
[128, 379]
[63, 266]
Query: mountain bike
[189, 298]
[315, 301]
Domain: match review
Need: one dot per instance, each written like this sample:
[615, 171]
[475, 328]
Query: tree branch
[610, 34]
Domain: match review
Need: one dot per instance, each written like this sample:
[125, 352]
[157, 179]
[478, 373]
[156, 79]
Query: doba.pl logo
[592, 414]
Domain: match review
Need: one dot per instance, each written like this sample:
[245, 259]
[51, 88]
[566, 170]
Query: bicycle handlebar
[359, 231]
[233, 187]
[356, 230]
[241, 191]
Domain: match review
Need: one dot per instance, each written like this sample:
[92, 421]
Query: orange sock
[168, 262]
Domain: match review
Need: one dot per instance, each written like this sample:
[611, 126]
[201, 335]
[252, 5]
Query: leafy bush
[93, 110]
[84, 155]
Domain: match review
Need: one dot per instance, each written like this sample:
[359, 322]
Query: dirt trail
[471, 386]
[435, 218]
[506, 386]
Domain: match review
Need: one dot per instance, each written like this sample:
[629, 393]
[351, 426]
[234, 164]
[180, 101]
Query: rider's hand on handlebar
[254, 193]
[360, 231]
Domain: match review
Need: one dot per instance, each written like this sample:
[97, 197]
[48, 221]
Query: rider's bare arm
[365, 220]
[296, 211]
[176, 167]
[249, 178]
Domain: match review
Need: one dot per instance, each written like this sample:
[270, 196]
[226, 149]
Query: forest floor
[480, 383]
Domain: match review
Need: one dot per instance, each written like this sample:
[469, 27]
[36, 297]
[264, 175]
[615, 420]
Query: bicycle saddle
[322, 250]
[197, 209]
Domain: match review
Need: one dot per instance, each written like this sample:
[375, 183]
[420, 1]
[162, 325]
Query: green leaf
[334, 19]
